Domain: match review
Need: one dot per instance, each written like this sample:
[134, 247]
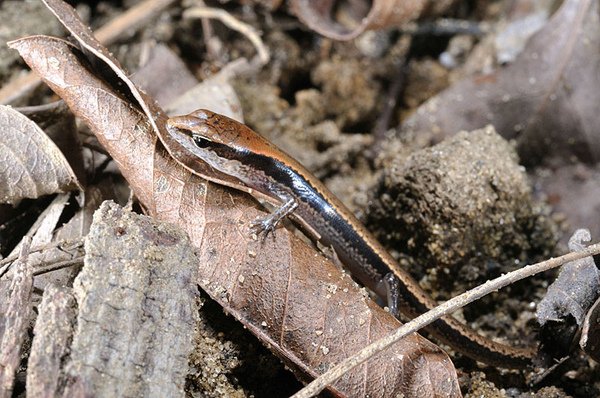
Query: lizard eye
[201, 141]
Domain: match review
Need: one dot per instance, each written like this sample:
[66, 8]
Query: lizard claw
[264, 226]
[267, 225]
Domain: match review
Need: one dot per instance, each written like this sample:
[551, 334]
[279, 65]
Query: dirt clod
[465, 201]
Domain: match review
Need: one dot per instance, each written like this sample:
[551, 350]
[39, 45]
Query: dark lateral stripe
[326, 219]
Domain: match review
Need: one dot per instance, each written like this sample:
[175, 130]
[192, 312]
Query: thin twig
[95, 146]
[211, 42]
[438, 312]
[235, 24]
[44, 268]
[398, 85]
[64, 245]
[129, 21]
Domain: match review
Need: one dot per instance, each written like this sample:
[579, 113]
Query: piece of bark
[53, 333]
[137, 307]
[15, 321]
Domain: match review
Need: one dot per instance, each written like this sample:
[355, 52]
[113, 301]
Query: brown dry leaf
[575, 289]
[58, 123]
[361, 15]
[155, 114]
[215, 93]
[85, 37]
[166, 78]
[299, 304]
[31, 165]
[164, 75]
[564, 307]
[547, 99]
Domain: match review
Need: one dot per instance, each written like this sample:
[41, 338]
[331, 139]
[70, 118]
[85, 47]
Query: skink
[227, 152]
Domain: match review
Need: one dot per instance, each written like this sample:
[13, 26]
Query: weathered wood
[137, 308]
[53, 333]
[15, 321]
